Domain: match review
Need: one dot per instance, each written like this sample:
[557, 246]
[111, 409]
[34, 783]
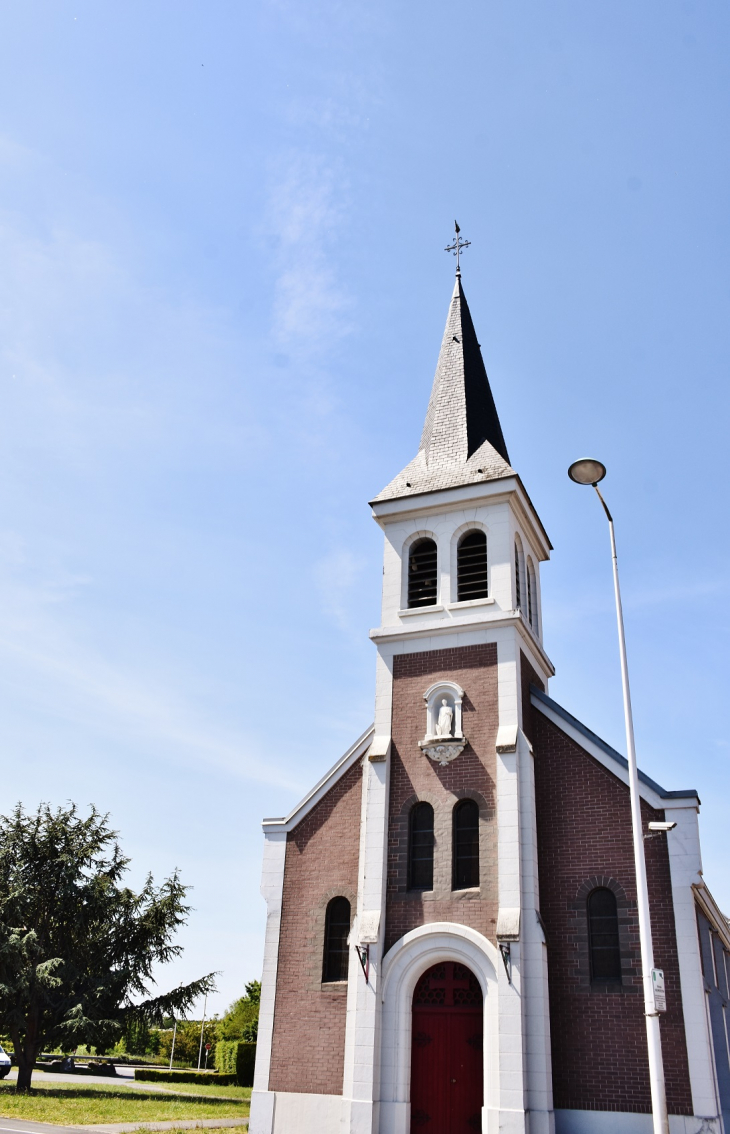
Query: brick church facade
[452, 937]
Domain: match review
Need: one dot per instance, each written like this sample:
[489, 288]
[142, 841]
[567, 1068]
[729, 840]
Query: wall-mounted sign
[657, 983]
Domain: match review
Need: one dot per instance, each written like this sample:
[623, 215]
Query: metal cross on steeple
[457, 246]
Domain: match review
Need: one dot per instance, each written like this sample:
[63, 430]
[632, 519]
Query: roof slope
[590, 736]
[462, 440]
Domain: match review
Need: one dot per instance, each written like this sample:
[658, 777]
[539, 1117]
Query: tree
[241, 1021]
[77, 948]
[187, 1042]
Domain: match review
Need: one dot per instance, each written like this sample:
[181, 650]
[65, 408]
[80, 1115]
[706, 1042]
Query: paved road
[20, 1126]
[123, 1078]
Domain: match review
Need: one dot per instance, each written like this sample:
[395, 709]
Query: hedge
[147, 1075]
[234, 1057]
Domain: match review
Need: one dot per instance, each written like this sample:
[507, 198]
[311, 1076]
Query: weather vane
[457, 247]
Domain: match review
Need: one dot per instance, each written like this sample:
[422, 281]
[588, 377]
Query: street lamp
[590, 472]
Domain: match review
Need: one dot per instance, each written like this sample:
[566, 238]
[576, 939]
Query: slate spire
[462, 439]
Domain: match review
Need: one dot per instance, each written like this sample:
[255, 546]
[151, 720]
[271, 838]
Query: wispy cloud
[306, 210]
[45, 659]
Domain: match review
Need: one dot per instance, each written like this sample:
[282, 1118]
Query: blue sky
[222, 296]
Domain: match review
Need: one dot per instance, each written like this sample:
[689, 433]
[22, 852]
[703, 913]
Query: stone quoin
[452, 936]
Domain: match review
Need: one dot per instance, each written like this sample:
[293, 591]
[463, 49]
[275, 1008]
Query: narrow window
[466, 844]
[336, 932]
[471, 567]
[422, 577]
[603, 936]
[420, 848]
[714, 959]
[518, 583]
[531, 596]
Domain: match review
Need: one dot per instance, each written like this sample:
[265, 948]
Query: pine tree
[77, 947]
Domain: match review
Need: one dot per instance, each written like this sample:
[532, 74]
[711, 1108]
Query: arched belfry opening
[471, 567]
[422, 573]
[447, 1061]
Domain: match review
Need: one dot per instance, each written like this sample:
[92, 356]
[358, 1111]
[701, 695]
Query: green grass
[77, 1105]
[211, 1090]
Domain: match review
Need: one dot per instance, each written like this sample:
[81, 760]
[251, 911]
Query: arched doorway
[447, 1065]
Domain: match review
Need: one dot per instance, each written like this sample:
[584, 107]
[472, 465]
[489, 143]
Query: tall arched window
[466, 845]
[422, 574]
[531, 596]
[336, 932]
[519, 574]
[471, 567]
[420, 847]
[603, 936]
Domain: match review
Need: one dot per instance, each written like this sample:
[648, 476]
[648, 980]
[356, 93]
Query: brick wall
[598, 1033]
[414, 777]
[308, 1049]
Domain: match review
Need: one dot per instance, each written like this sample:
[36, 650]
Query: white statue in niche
[444, 739]
[446, 716]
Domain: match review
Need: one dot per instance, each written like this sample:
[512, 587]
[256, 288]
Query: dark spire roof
[462, 438]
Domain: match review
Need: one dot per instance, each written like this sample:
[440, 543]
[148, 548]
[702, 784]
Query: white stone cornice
[330, 778]
[481, 491]
[496, 619]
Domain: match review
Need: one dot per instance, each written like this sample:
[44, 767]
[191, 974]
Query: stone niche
[444, 739]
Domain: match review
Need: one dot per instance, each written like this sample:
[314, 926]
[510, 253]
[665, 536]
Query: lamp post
[590, 472]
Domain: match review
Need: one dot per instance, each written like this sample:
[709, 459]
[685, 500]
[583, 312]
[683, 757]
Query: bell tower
[448, 844]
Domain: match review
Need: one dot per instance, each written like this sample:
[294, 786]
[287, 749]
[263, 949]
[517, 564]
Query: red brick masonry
[308, 1050]
[413, 777]
[598, 1033]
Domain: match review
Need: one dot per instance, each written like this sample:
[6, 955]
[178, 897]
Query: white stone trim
[421, 637]
[536, 1005]
[308, 1114]
[361, 1079]
[467, 603]
[403, 965]
[685, 865]
[508, 488]
[328, 781]
[272, 886]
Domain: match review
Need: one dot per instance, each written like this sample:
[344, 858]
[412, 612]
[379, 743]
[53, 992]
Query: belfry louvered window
[531, 596]
[422, 573]
[603, 936]
[518, 579]
[471, 567]
[336, 932]
[466, 845]
[420, 847]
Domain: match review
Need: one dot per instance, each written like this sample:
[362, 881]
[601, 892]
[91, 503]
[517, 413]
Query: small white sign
[657, 982]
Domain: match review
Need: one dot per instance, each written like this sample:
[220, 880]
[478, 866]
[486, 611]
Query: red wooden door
[446, 1061]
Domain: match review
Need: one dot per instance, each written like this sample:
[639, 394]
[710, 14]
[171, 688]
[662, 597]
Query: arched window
[471, 567]
[519, 574]
[603, 936]
[420, 847]
[531, 596]
[422, 575]
[336, 932]
[466, 845]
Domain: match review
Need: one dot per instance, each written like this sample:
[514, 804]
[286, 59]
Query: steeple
[462, 440]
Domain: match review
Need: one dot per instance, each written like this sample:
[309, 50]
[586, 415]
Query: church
[452, 935]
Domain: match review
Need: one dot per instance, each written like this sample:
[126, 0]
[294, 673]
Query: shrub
[232, 1057]
[150, 1075]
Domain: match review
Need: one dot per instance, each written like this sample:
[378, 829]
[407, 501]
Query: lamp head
[587, 471]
